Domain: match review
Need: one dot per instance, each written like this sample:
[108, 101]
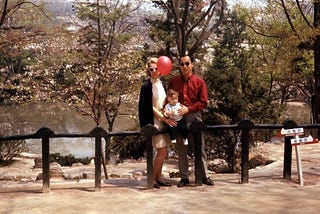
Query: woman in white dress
[151, 102]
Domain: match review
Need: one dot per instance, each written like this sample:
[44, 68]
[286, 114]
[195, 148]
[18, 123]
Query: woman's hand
[169, 121]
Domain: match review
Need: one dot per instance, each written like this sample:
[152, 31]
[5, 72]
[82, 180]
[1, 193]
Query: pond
[29, 118]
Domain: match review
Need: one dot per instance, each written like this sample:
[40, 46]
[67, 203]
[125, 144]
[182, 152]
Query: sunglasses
[185, 64]
[152, 69]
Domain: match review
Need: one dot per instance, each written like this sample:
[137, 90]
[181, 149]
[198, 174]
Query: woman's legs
[158, 163]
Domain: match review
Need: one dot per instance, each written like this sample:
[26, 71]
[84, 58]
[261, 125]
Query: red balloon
[164, 65]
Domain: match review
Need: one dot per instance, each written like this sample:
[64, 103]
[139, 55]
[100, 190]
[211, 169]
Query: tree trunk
[316, 104]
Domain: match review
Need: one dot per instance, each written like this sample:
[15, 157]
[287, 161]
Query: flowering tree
[94, 68]
[103, 69]
[22, 25]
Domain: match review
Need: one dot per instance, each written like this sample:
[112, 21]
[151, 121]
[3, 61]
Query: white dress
[158, 101]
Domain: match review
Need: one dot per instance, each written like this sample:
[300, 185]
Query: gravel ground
[125, 191]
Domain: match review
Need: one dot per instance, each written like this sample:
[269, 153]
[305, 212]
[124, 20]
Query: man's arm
[202, 99]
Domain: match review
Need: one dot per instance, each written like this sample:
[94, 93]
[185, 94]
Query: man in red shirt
[193, 95]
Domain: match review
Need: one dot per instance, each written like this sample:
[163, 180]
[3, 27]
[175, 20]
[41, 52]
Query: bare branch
[302, 14]
[4, 12]
[289, 19]
[263, 34]
[11, 10]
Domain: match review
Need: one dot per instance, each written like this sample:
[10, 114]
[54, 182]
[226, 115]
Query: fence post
[287, 159]
[98, 133]
[148, 131]
[196, 129]
[245, 126]
[45, 134]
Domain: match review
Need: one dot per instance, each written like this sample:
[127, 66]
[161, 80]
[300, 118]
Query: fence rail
[245, 126]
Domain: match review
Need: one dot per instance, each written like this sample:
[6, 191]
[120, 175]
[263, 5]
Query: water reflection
[79, 147]
[60, 118]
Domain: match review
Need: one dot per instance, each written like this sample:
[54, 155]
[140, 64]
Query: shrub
[68, 160]
[126, 147]
[10, 150]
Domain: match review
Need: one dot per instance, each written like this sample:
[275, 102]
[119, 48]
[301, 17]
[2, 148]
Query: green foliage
[68, 160]
[236, 87]
[285, 36]
[184, 26]
[126, 147]
[223, 144]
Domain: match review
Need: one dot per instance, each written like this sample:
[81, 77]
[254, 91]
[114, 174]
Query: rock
[73, 177]
[56, 171]
[38, 163]
[39, 177]
[191, 171]
[237, 165]
[29, 155]
[114, 176]
[126, 176]
[77, 164]
[88, 175]
[258, 160]
[138, 174]
[8, 178]
[219, 166]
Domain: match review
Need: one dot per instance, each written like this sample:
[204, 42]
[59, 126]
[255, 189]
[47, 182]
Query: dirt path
[266, 192]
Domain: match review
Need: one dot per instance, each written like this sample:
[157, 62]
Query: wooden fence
[245, 126]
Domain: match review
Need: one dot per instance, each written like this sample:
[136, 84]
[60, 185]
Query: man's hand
[183, 110]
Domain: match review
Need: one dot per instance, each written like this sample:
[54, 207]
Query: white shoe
[173, 141]
[185, 141]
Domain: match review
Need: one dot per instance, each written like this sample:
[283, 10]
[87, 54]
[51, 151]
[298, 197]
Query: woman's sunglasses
[152, 69]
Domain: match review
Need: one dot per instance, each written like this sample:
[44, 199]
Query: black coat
[145, 104]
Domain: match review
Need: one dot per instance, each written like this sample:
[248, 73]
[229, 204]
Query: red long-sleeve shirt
[193, 93]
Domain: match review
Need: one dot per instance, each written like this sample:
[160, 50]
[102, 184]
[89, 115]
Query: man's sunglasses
[152, 69]
[185, 64]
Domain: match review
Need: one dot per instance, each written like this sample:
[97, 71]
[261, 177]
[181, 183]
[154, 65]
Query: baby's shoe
[185, 141]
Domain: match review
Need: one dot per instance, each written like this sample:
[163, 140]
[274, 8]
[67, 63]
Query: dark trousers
[181, 128]
[182, 149]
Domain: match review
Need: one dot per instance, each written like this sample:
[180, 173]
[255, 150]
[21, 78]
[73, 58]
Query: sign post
[297, 141]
